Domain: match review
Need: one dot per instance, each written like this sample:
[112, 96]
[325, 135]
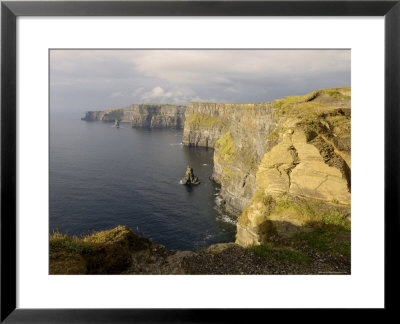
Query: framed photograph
[164, 158]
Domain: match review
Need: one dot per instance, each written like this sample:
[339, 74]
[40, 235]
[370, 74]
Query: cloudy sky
[83, 80]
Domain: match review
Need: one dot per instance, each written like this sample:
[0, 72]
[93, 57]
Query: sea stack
[190, 178]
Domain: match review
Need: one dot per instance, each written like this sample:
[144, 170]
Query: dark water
[101, 176]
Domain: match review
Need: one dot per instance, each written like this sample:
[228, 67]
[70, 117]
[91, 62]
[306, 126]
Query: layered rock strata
[291, 149]
[142, 115]
[306, 178]
[282, 165]
[240, 135]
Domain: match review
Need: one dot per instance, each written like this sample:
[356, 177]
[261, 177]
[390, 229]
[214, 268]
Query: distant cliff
[142, 115]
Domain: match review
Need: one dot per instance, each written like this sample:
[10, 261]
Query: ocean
[102, 176]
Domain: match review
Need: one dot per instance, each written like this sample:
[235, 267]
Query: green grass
[338, 120]
[282, 255]
[203, 119]
[304, 103]
[337, 219]
[303, 208]
[284, 205]
[70, 244]
[327, 239]
[226, 146]
[102, 252]
[336, 92]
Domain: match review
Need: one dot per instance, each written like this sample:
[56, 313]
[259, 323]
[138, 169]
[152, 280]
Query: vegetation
[330, 233]
[285, 104]
[339, 120]
[333, 239]
[310, 102]
[328, 227]
[99, 253]
[203, 119]
[228, 155]
[336, 218]
[226, 146]
[69, 244]
[305, 209]
[338, 93]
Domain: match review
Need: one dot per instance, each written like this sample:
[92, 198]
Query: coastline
[121, 251]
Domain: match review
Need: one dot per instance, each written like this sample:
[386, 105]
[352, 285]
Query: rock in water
[190, 178]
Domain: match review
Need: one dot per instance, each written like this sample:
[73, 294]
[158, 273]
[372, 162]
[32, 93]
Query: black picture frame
[11, 10]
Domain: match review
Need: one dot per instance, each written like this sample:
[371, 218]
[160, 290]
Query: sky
[82, 80]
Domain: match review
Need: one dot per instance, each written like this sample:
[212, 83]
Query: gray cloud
[96, 79]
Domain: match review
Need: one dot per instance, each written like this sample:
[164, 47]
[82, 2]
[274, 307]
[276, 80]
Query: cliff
[240, 135]
[292, 152]
[121, 251]
[284, 166]
[142, 115]
[304, 182]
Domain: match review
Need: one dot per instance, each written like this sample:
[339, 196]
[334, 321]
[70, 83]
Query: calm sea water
[101, 177]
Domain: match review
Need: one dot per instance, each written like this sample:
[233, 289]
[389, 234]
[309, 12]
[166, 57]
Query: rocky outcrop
[306, 178]
[295, 148]
[142, 115]
[104, 252]
[121, 251]
[94, 115]
[190, 178]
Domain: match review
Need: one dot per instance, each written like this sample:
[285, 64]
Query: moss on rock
[103, 252]
[203, 119]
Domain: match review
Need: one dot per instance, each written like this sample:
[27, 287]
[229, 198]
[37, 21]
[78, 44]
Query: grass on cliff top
[203, 119]
[339, 120]
[283, 255]
[87, 243]
[330, 227]
[305, 102]
[103, 237]
[69, 244]
[329, 239]
[330, 233]
[327, 216]
[102, 252]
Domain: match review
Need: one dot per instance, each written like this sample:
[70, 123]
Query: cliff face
[305, 179]
[293, 152]
[142, 115]
[282, 165]
[94, 115]
[204, 124]
[240, 135]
